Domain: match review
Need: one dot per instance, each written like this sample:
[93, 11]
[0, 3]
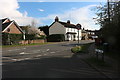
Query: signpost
[24, 36]
[78, 26]
[98, 51]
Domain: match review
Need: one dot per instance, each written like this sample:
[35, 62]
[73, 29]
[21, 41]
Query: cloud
[10, 8]
[41, 10]
[62, 0]
[82, 15]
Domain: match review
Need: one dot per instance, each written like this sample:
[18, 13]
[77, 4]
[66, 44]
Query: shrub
[41, 37]
[29, 36]
[11, 38]
[76, 49]
[56, 38]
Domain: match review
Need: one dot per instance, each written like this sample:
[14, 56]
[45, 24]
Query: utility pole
[108, 11]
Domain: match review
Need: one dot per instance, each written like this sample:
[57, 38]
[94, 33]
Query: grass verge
[81, 49]
[97, 62]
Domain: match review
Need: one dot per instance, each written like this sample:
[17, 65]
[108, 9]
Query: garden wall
[31, 41]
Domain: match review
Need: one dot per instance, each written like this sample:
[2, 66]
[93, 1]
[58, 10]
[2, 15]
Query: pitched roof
[3, 20]
[5, 25]
[68, 25]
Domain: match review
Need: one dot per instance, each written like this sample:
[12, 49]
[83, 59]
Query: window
[68, 36]
[74, 36]
[67, 29]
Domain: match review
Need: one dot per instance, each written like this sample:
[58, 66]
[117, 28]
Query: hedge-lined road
[50, 60]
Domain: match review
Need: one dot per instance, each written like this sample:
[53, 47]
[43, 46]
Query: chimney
[56, 19]
[68, 21]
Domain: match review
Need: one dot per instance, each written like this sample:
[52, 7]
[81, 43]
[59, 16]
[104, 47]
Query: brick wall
[13, 29]
[31, 41]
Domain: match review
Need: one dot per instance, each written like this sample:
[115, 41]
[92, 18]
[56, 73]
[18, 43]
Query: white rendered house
[66, 28]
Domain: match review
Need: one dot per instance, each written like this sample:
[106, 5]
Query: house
[84, 34]
[66, 28]
[33, 30]
[45, 29]
[10, 26]
[11, 32]
[92, 34]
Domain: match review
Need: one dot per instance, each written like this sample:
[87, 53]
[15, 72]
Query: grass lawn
[81, 49]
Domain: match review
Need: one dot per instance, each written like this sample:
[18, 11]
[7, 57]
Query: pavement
[50, 61]
[110, 71]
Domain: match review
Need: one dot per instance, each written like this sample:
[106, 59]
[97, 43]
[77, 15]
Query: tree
[45, 29]
[109, 20]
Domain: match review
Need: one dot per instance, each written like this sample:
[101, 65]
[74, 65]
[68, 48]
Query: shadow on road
[52, 67]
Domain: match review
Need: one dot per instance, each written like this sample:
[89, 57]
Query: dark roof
[83, 31]
[3, 19]
[71, 33]
[68, 25]
[5, 25]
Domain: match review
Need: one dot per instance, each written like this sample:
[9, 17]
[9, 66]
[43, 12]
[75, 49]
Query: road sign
[78, 26]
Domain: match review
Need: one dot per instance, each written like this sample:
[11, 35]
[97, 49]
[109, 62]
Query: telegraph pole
[108, 5]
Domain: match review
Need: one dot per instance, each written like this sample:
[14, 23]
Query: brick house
[10, 26]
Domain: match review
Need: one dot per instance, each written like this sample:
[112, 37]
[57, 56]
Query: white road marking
[23, 48]
[47, 49]
[10, 50]
[44, 54]
[38, 50]
[24, 53]
[14, 50]
[38, 55]
[20, 59]
[52, 52]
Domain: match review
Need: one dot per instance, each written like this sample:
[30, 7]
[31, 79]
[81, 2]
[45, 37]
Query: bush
[41, 37]
[82, 48]
[11, 38]
[76, 49]
[29, 36]
[56, 38]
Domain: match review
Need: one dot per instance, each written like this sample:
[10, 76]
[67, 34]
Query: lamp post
[78, 26]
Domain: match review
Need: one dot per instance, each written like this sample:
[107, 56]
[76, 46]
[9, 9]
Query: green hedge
[15, 38]
[11, 38]
[30, 36]
[56, 38]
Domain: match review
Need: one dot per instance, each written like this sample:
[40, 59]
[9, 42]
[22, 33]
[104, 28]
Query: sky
[43, 13]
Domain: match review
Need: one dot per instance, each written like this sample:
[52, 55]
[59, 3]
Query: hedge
[56, 38]
[15, 38]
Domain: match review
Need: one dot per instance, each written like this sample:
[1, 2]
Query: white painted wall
[73, 30]
[57, 28]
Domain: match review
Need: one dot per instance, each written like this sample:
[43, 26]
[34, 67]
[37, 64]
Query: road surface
[46, 61]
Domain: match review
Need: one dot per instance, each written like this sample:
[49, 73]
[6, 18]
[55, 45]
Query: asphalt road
[46, 61]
